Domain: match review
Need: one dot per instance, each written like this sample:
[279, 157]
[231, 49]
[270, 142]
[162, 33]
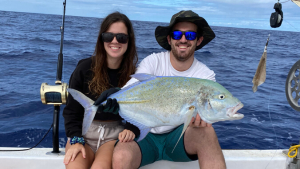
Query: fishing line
[270, 112]
[271, 121]
[285, 18]
[269, 105]
[269, 100]
[291, 25]
[34, 145]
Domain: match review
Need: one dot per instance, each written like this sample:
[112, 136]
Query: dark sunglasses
[189, 35]
[108, 37]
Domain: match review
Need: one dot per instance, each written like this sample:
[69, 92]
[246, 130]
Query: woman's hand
[126, 136]
[111, 106]
[73, 151]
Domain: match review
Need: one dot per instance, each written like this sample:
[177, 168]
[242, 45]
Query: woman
[111, 65]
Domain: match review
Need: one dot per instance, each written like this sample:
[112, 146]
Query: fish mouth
[232, 112]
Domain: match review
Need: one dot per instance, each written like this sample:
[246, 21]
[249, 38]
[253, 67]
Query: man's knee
[124, 153]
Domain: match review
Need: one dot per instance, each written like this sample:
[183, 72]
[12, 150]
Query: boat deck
[235, 159]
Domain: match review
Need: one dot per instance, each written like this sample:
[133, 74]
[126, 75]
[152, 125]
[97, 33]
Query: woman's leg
[103, 157]
[80, 162]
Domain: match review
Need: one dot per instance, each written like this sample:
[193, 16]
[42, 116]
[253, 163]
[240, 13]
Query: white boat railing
[235, 159]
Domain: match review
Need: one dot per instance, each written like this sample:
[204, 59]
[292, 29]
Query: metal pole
[55, 133]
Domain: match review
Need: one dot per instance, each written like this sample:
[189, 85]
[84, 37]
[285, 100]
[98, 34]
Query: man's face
[184, 49]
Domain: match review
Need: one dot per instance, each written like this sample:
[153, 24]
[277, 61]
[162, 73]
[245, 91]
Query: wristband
[76, 139]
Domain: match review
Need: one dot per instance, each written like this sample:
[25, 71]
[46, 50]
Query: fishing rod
[56, 95]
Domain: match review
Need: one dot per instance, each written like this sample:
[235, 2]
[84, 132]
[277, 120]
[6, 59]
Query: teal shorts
[155, 147]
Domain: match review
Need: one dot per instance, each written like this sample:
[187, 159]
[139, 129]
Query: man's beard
[182, 57]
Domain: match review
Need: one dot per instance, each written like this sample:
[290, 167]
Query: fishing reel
[292, 86]
[277, 16]
[55, 95]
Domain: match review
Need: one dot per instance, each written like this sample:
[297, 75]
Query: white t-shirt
[159, 64]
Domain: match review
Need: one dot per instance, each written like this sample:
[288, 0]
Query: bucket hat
[161, 32]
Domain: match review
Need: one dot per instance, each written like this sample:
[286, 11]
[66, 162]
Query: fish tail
[81, 98]
[89, 109]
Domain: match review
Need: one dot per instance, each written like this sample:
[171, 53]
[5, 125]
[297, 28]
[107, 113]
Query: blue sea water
[29, 46]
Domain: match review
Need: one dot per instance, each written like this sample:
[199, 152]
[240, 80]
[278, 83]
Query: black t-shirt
[74, 112]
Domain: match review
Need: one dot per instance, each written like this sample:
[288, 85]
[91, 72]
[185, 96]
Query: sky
[253, 14]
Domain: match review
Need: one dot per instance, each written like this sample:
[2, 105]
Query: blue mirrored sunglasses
[189, 35]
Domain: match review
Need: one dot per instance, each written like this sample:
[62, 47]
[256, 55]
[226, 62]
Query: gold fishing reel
[55, 95]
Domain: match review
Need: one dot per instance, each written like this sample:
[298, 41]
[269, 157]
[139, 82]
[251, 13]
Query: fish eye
[221, 96]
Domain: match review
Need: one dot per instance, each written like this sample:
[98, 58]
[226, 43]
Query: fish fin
[144, 130]
[190, 113]
[89, 108]
[140, 77]
[143, 133]
[143, 76]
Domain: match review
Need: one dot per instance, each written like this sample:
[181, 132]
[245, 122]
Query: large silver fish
[167, 101]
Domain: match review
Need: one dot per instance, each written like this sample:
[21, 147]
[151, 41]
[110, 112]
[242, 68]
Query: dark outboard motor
[276, 17]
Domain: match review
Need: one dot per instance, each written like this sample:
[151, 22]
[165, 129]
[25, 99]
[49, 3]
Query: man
[186, 33]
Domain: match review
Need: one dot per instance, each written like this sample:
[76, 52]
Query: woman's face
[114, 49]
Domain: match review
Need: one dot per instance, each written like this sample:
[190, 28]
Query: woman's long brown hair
[100, 80]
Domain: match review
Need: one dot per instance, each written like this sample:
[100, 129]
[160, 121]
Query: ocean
[29, 48]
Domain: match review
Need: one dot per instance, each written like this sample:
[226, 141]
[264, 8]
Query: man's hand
[197, 122]
[126, 136]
